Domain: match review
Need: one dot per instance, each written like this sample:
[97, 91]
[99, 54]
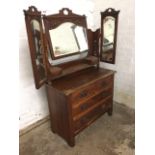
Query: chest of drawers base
[74, 108]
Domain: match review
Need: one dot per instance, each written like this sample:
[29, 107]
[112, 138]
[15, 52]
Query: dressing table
[65, 58]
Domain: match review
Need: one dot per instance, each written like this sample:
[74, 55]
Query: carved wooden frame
[33, 14]
[113, 13]
[53, 21]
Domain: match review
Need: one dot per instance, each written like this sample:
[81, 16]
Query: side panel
[59, 113]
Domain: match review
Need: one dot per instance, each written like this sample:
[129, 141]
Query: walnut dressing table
[77, 100]
[78, 90]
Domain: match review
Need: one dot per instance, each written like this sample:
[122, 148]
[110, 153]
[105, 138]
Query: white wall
[124, 91]
[33, 103]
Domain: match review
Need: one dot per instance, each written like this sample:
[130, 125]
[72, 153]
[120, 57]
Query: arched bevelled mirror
[66, 33]
[109, 21]
[75, 41]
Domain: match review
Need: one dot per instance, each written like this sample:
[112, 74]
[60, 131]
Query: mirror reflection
[67, 39]
[36, 32]
[108, 38]
[109, 30]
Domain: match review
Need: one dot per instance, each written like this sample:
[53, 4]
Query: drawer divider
[93, 95]
[77, 117]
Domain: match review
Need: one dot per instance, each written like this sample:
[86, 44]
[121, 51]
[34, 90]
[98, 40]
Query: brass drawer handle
[83, 94]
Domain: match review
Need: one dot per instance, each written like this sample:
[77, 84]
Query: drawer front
[92, 116]
[91, 90]
[82, 107]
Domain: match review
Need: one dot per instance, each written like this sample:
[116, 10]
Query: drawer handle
[104, 107]
[104, 83]
[84, 120]
[83, 107]
[106, 94]
[83, 94]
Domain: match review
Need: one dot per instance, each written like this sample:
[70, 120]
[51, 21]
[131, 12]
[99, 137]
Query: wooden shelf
[72, 69]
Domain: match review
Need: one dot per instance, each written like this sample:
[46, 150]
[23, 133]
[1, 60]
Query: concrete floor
[107, 136]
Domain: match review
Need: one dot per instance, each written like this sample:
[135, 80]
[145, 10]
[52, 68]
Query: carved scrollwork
[32, 10]
[65, 11]
[110, 12]
[55, 23]
[65, 15]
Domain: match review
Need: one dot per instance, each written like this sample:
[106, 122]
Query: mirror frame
[112, 13]
[33, 14]
[54, 20]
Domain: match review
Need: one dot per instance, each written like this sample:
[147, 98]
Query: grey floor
[109, 135]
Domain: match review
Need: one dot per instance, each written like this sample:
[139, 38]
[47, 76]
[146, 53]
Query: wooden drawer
[88, 105]
[91, 90]
[91, 116]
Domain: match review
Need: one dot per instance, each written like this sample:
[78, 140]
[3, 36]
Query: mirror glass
[108, 38]
[36, 32]
[67, 39]
[109, 30]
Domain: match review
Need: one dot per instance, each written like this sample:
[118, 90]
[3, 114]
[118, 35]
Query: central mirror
[66, 34]
[68, 39]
